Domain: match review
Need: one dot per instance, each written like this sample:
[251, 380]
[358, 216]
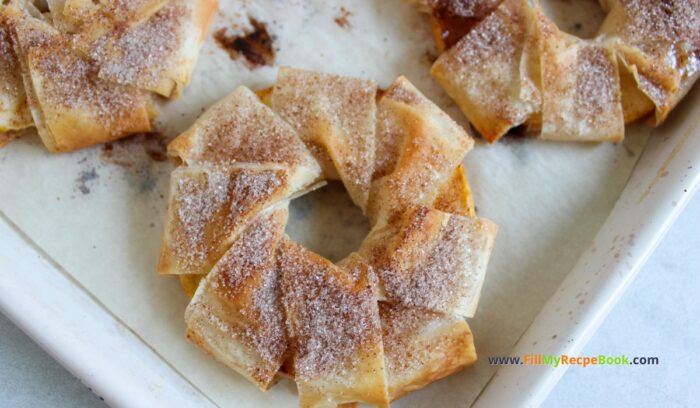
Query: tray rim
[74, 328]
[664, 180]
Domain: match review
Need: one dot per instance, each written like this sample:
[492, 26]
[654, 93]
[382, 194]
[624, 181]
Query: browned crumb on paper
[343, 19]
[254, 48]
[132, 151]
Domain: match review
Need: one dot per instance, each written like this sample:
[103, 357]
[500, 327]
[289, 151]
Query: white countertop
[657, 317]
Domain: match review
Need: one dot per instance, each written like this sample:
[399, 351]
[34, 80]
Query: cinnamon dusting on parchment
[254, 48]
[343, 18]
[128, 152]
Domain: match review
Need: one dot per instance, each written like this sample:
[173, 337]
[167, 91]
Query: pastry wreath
[83, 72]
[386, 320]
[506, 64]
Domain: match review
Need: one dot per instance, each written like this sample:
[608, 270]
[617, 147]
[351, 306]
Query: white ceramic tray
[577, 222]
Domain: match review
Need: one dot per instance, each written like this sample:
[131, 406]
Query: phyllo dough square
[482, 72]
[236, 313]
[581, 93]
[241, 129]
[659, 42]
[421, 347]
[208, 207]
[334, 329]
[91, 19]
[14, 111]
[335, 116]
[70, 105]
[158, 54]
[431, 259]
[417, 143]
[454, 194]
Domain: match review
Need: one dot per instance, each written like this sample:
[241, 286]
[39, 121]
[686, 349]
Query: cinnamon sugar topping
[400, 325]
[330, 317]
[596, 84]
[212, 203]
[430, 260]
[196, 202]
[141, 55]
[73, 83]
[663, 28]
[247, 276]
[335, 116]
[242, 129]
[10, 81]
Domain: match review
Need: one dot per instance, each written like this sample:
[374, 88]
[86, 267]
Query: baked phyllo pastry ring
[507, 65]
[386, 320]
[84, 72]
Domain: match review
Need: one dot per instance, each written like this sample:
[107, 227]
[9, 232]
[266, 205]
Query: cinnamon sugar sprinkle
[331, 320]
[388, 141]
[654, 26]
[196, 202]
[428, 269]
[596, 84]
[244, 130]
[342, 20]
[73, 83]
[462, 8]
[141, 55]
[415, 338]
[216, 194]
[400, 326]
[342, 105]
[249, 266]
[10, 81]
[113, 11]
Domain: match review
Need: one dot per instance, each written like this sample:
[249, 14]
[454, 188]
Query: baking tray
[79, 233]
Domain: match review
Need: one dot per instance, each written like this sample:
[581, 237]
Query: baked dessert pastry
[239, 158]
[158, 54]
[581, 94]
[411, 129]
[14, 111]
[416, 344]
[431, 260]
[236, 315]
[102, 15]
[71, 107]
[386, 320]
[335, 116]
[85, 70]
[508, 65]
[659, 44]
[336, 348]
[482, 72]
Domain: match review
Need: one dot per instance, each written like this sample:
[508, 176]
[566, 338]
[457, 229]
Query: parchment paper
[99, 213]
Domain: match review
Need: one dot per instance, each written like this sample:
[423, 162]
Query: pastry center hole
[327, 222]
[581, 18]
